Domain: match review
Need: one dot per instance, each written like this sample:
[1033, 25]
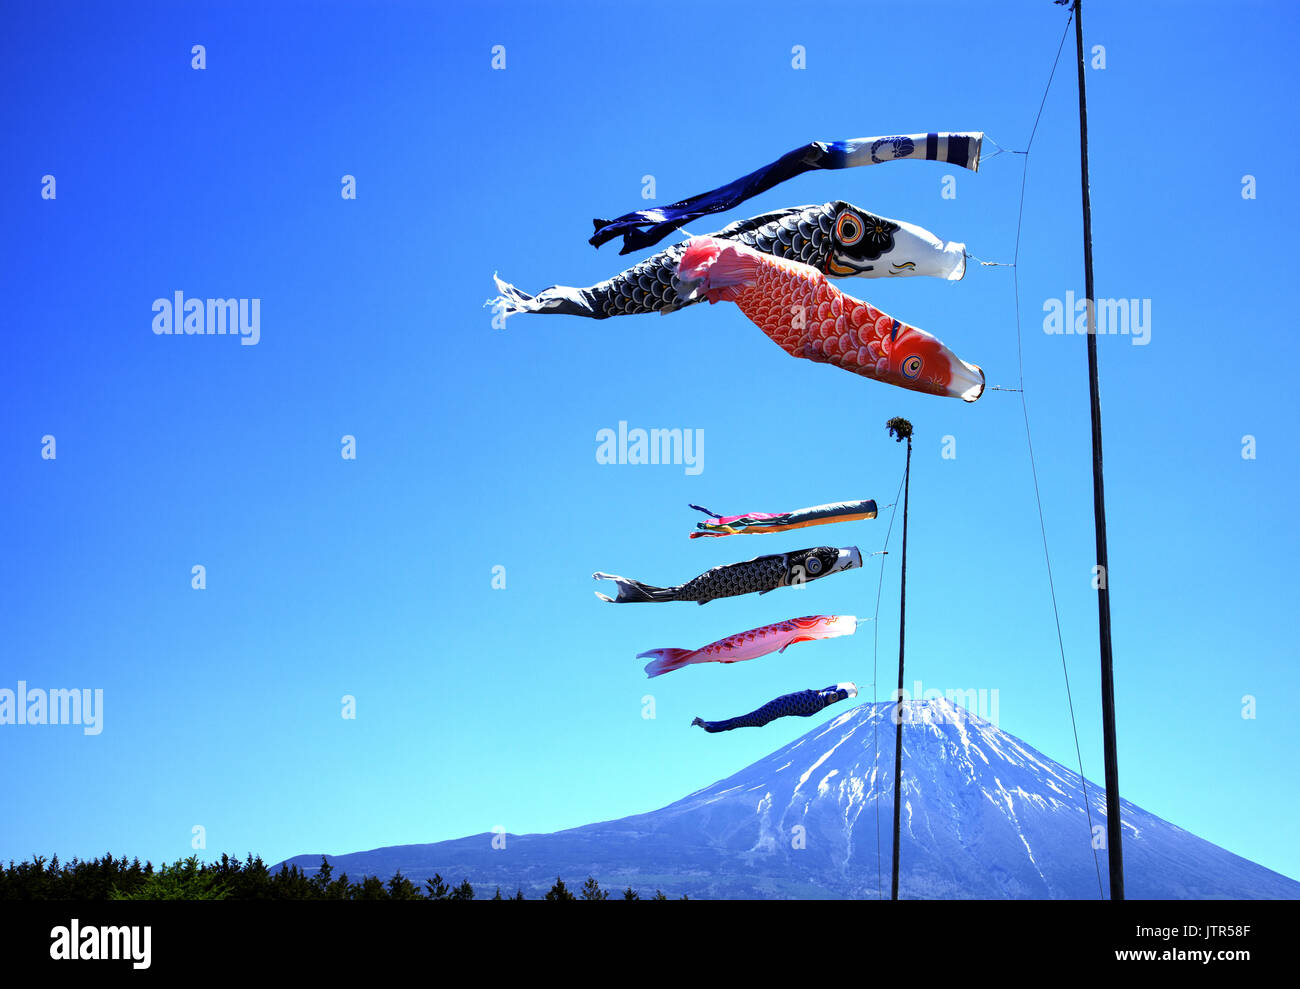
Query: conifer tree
[435, 888]
[340, 888]
[401, 888]
[370, 888]
[462, 892]
[559, 891]
[320, 882]
[591, 890]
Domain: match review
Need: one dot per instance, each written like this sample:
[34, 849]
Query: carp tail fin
[665, 660]
[630, 590]
[715, 270]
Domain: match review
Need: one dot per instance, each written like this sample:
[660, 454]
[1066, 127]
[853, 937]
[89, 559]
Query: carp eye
[814, 565]
[848, 228]
[912, 366]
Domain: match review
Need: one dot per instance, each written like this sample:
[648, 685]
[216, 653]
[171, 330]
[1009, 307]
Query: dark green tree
[185, 879]
[370, 888]
[291, 883]
[559, 891]
[436, 889]
[401, 888]
[462, 892]
[321, 881]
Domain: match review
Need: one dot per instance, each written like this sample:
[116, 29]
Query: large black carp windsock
[802, 704]
[837, 238]
[961, 149]
[761, 574]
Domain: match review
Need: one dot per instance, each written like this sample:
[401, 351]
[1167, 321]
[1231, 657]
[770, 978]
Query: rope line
[875, 651]
[988, 264]
[1038, 498]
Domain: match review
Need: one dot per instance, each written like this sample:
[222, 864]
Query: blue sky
[372, 577]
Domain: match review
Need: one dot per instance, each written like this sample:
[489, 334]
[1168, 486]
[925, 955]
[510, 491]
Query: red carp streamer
[796, 306]
[752, 644]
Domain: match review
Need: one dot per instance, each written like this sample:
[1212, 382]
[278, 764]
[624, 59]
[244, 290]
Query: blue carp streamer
[801, 704]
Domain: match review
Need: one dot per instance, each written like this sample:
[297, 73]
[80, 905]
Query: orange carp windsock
[752, 644]
[796, 306]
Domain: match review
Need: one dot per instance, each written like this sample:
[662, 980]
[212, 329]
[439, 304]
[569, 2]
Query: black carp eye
[814, 565]
[848, 228]
[912, 366]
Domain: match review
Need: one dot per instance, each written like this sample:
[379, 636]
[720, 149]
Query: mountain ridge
[985, 815]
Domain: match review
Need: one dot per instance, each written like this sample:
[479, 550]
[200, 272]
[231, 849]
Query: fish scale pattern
[800, 704]
[807, 317]
[727, 581]
[761, 574]
[800, 234]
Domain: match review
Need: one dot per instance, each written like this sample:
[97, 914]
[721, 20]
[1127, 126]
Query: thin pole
[901, 429]
[1114, 837]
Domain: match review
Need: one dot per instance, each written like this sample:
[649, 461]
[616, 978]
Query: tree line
[110, 878]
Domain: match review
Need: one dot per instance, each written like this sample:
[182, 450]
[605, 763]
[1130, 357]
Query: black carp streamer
[761, 574]
[837, 238]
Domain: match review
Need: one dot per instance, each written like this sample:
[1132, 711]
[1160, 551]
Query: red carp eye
[912, 366]
[848, 228]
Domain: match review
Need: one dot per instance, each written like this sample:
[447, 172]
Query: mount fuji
[983, 816]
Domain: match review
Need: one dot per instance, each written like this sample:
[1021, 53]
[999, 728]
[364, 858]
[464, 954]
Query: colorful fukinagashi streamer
[838, 238]
[808, 317]
[802, 704]
[760, 522]
[753, 643]
[761, 574]
[954, 148]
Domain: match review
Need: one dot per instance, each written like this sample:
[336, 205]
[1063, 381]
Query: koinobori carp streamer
[644, 227]
[761, 574]
[801, 704]
[756, 642]
[759, 522]
[838, 238]
[808, 317]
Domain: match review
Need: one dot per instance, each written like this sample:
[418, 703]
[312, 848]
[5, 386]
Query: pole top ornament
[899, 428]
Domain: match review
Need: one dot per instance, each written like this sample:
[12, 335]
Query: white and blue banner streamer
[646, 227]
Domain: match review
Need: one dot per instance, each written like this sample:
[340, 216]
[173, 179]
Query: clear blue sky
[476, 447]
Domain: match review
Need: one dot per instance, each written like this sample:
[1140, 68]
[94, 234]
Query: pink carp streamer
[797, 307]
[752, 644]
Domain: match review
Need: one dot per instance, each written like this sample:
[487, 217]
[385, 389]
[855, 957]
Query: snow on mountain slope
[983, 815]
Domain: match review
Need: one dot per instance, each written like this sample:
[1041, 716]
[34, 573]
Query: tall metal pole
[1114, 838]
[900, 429]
